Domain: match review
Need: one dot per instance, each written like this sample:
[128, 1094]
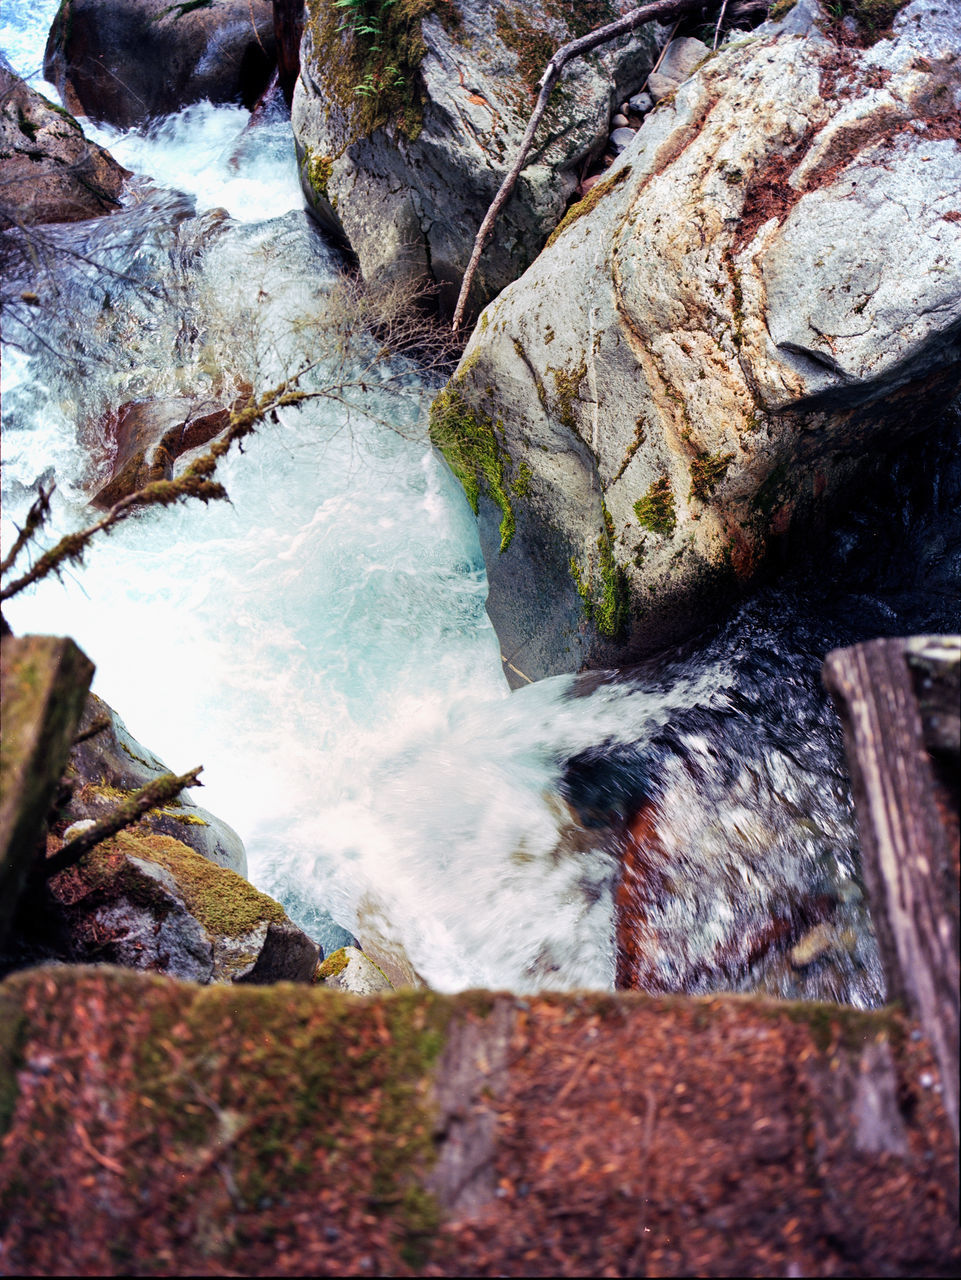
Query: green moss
[26, 125]
[780, 9]
[775, 490]
[372, 51]
[468, 440]
[589, 203]
[533, 45]
[655, 511]
[224, 902]
[607, 598]
[567, 385]
[521, 484]
[873, 17]
[318, 169]
[707, 472]
[335, 963]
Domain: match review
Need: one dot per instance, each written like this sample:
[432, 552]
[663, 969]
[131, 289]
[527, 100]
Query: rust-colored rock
[148, 436]
[49, 172]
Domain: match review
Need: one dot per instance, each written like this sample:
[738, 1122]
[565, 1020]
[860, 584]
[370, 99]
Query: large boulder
[150, 902]
[764, 292]
[49, 172]
[123, 61]
[106, 767]
[406, 123]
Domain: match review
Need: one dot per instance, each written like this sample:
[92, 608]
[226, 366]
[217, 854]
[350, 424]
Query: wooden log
[43, 686]
[908, 824]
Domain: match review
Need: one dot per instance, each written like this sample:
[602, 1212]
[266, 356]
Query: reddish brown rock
[146, 437]
[49, 172]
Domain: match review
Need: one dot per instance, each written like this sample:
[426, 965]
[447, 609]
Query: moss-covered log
[156, 1126]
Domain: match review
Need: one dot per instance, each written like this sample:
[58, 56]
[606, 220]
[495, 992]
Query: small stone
[640, 104]
[76, 828]
[812, 945]
[619, 121]
[619, 139]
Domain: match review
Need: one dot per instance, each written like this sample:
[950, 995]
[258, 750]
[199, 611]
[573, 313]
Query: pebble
[619, 121]
[640, 104]
[620, 138]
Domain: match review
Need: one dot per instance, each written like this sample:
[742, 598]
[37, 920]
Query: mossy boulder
[407, 118]
[761, 298]
[149, 902]
[49, 172]
[123, 61]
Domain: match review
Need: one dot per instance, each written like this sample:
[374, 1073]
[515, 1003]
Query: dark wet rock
[124, 61]
[49, 172]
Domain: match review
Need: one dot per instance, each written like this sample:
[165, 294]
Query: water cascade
[320, 643]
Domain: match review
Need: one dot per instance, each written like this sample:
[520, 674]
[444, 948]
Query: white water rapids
[320, 643]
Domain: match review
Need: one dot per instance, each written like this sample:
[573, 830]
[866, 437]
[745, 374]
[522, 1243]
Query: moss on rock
[469, 441]
[225, 903]
[655, 511]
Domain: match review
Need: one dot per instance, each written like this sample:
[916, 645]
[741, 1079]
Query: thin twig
[717, 29]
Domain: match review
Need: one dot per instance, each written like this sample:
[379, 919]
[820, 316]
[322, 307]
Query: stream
[319, 642]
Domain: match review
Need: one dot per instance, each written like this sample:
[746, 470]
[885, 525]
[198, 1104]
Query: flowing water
[320, 643]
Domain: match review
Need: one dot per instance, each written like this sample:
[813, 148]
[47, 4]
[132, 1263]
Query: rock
[148, 436]
[43, 684]
[620, 139]
[680, 60]
[49, 172]
[403, 147]
[350, 970]
[106, 767]
[123, 61]
[149, 902]
[619, 121]
[640, 104]
[754, 304]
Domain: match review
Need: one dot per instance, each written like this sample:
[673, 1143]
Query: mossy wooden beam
[908, 820]
[43, 686]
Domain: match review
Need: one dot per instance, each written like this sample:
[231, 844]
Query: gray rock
[619, 121]
[405, 174]
[801, 20]
[679, 62]
[49, 172]
[745, 309]
[350, 970]
[106, 767]
[620, 139]
[123, 61]
[641, 103]
[149, 902]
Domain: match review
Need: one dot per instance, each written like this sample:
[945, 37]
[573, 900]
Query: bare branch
[658, 9]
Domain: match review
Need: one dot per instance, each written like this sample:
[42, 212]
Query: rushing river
[320, 643]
